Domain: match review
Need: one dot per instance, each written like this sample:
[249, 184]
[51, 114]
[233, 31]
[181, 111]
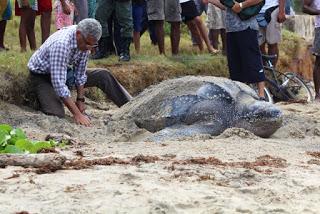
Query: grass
[143, 70]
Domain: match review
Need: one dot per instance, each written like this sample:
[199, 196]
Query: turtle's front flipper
[180, 132]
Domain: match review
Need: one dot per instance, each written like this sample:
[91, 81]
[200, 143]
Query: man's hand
[281, 17]
[78, 116]
[82, 119]
[236, 7]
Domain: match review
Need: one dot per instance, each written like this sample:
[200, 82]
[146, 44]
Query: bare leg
[30, 29]
[175, 37]
[3, 24]
[273, 49]
[23, 30]
[195, 32]
[261, 89]
[224, 41]
[214, 37]
[263, 48]
[45, 25]
[160, 35]
[204, 34]
[316, 77]
[136, 41]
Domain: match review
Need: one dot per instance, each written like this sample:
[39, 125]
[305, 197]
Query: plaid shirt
[56, 55]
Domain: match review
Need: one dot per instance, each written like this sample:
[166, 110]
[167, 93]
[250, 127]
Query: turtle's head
[261, 118]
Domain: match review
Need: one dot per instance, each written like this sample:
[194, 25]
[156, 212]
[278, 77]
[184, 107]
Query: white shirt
[316, 5]
[183, 1]
[268, 4]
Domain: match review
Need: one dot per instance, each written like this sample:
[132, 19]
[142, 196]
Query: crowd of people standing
[124, 21]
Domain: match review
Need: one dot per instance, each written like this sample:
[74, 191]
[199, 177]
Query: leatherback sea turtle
[201, 105]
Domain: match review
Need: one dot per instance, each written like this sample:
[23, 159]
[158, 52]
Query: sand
[235, 172]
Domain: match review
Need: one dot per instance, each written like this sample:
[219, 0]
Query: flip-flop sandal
[215, 52]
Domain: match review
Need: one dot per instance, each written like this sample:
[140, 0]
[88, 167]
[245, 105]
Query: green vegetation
[15, 141]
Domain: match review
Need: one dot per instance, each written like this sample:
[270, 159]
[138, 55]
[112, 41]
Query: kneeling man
[61, 62]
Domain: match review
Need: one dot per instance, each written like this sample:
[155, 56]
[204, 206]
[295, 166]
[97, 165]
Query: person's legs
[23, 28]
[204, 34]
[316, 69]
[195, 32]
[160, 34]
[316, 78]
[251, 61]
[214, 38]
[49, 102]
[124, 17]
[82, 8]
[137, 16]
[31, 18]
[273, 35]
[104, 80]
[273, 50]
[103, 13]
[156, 16]
[3, 24]
[45, 25]
[175, 37]
[233, 57]
[223, 40]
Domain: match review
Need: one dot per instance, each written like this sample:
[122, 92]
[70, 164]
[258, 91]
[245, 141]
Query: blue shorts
[139, 14]
[244, 56]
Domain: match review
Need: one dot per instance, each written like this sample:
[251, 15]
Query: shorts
[168, 10]
[244, 56]
[17, 10]
[216, 18]
[272, 33]
[139, 14]
[45, 6]
[316, 42]
[189, 11]
[201, 7]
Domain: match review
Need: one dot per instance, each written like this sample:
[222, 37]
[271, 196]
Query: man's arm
[307, 8]
[58, 58]
[80, 98]
[65, 7]
[248, 3]
[78, 116]
[282, 14]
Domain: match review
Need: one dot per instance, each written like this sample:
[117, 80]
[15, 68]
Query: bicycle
[286, 86]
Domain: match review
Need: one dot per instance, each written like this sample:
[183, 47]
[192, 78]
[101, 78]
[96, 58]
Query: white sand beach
[236, 172]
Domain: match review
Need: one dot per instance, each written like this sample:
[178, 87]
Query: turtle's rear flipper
[182, 132]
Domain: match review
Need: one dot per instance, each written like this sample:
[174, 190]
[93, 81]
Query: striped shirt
[56, 55]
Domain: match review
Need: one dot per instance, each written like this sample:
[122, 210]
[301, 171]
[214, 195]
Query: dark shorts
[244, 56]
[188, 11]
[139, 14]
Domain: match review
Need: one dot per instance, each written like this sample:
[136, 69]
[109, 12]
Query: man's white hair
[90, 27]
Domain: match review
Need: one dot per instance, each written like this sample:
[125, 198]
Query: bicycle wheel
[296, 88]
